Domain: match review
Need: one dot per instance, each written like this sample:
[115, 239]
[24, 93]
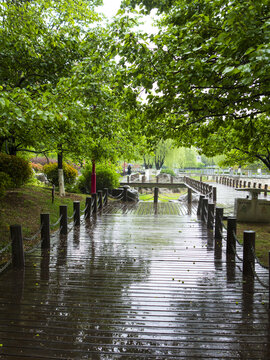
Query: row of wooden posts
[93, 204]
[213, 218]
[143, 179]
[201, 187]
[236, 183]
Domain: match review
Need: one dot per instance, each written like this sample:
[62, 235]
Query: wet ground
[134, 283]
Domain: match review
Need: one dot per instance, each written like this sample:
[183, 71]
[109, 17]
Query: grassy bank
[262, 241]
[24, 205]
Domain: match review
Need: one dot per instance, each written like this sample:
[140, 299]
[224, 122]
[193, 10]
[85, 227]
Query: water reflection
[131, 286]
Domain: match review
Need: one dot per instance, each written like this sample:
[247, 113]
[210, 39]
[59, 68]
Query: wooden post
[128, 179]
[265, 189]
[64, 220]
[17, 246]
[100, 199]
[106, 193]
[94, 202]
[254, 185]
[199, 209]
[53, 193]
[245, 183]
[45, 231]
[214, 194]
[210, 216]
[231, 233]
[189, 196]
[77, 215]
[156, 195]
[210, 191]
[87, 212]
[218, 223]
[248, 253]
[259, 185]
[249, 184]
[204, 209]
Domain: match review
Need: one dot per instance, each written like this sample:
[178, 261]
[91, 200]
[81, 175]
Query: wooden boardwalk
[134, 285]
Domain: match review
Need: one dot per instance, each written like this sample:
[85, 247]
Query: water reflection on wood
[134, 283]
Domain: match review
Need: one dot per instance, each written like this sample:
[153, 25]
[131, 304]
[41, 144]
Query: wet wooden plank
[133, 285]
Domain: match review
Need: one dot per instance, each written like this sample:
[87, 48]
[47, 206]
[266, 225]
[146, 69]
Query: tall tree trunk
[61, 181]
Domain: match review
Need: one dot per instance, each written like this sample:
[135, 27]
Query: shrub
[5, 182]
[37, 167]
[107, 177]
[42, 160]
[167, 171]
[51, 171]
[18, 169]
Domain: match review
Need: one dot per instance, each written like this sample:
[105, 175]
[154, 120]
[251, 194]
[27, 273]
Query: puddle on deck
[133, 283]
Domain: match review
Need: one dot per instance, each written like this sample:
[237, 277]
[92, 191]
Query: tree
[59, 83]
[206, 72]
[40, 42]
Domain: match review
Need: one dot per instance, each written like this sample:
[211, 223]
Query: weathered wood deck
[134, 285]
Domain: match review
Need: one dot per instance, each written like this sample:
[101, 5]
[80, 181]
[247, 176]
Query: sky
[110, 8]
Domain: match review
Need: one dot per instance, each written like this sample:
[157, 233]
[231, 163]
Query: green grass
[162, 197]
[262, 240]
[24, 206]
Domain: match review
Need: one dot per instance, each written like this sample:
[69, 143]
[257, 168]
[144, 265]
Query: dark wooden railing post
[87, 212]
[64, 220]
[248, 253]
[106, 193]
[214, 194]
[94, 202]
[156, 195]
[100, 199]
[189, 196]
[17, 246]
[200, 204]
[77, 214]
[45, 231]
[218, 223]
[128, 179]
[231, 234]
[265, 189]
[210, 216]
[204, 209]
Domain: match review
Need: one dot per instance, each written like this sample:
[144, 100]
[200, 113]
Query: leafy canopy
[206, 72]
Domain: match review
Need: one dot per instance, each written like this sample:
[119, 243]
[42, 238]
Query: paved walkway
[131, 285]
